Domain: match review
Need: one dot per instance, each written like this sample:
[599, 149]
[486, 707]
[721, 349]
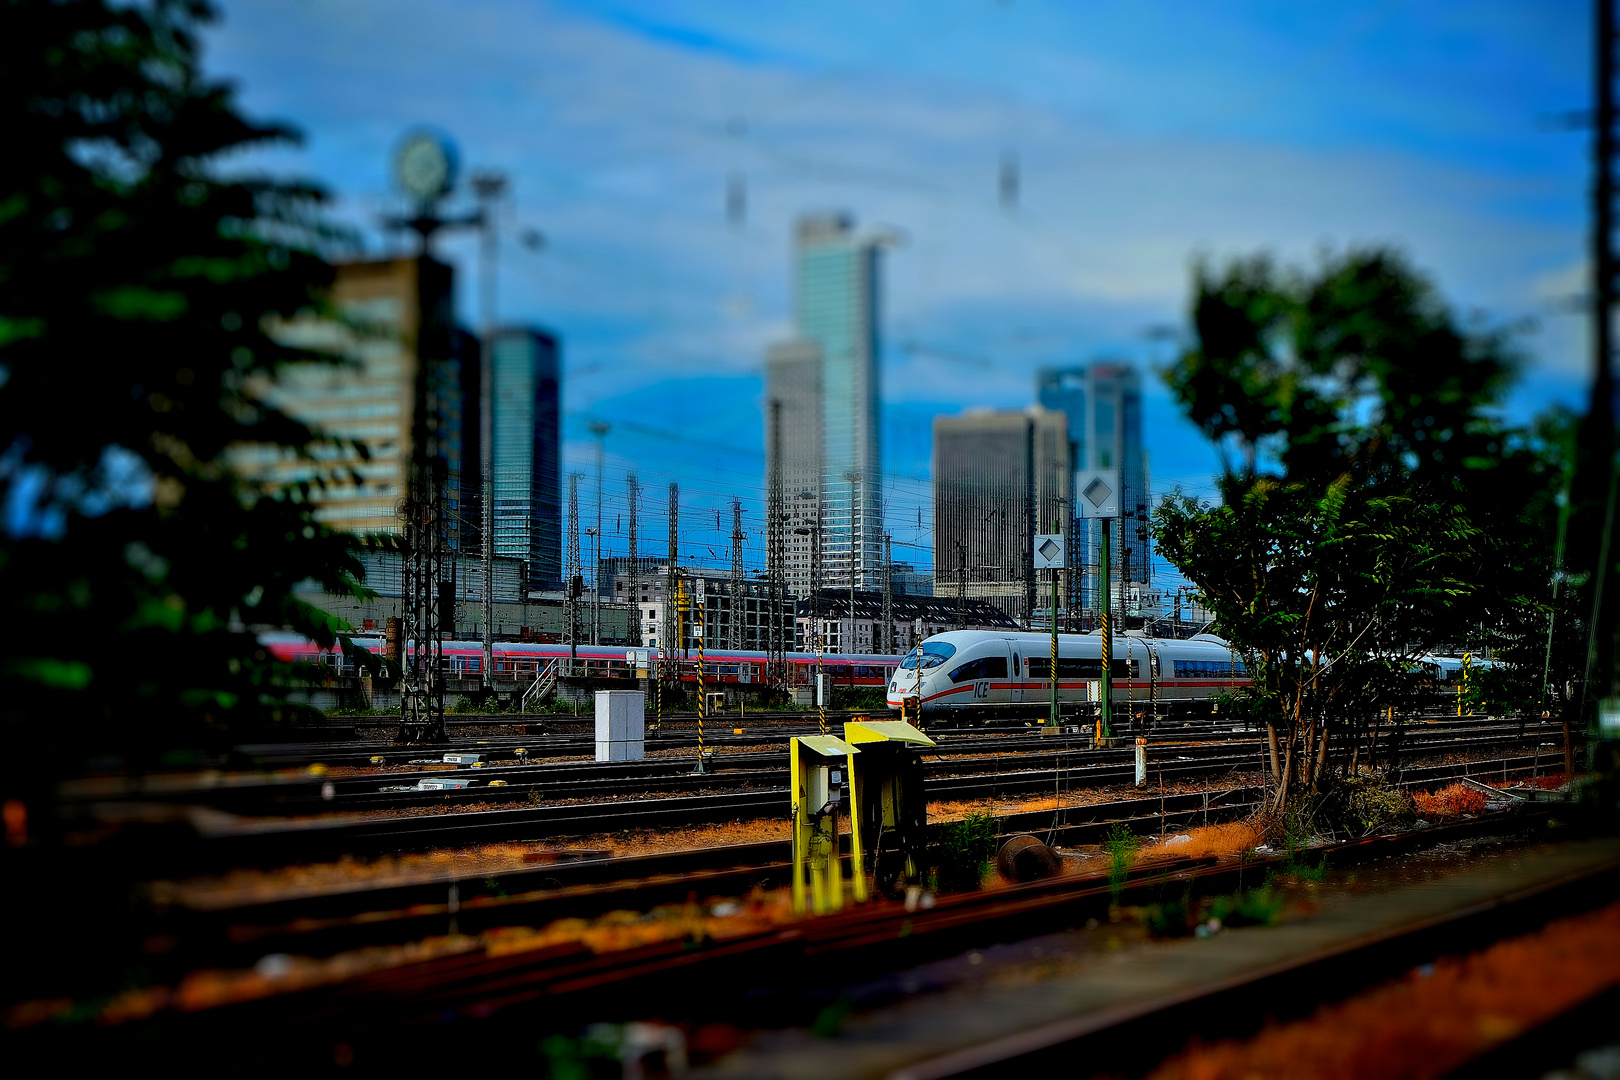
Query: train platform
[992, 1010]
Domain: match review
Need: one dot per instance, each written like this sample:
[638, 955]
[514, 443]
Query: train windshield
[934, 653]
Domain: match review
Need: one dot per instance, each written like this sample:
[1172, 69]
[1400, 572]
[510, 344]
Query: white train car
[986, 672]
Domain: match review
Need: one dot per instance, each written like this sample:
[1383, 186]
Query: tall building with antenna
[826, 380]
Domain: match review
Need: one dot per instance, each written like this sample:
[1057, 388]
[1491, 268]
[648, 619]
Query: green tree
[137, 282]
[1361, 519]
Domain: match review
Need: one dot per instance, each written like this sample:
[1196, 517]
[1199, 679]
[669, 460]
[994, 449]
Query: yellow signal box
[820, 767]
[888, 812]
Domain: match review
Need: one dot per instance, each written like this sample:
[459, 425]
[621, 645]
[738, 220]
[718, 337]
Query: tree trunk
[1284, 778]
[1321, 757]
[1307, 755]
[1271, 741]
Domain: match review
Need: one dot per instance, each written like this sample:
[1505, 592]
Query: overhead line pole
[734, 635]
[673, 631]
[599, 429]
[885, 645]
[1598, 430]
[572, 587]
[632, 488]
[775, 554]
[488, 186]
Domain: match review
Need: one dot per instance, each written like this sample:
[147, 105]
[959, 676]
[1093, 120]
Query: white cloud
[620, 139]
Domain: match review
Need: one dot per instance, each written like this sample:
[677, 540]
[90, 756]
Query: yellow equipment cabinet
[888, 814]
[820, 767]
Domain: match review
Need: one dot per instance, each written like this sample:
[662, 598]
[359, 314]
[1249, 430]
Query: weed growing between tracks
[963, 852]
[1433, 1019]
[1121, 846]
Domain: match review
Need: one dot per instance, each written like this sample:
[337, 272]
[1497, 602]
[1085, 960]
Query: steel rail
[428, 1011]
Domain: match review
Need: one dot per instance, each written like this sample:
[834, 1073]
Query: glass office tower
[836, 301]
[1103, 402]
[527, 453]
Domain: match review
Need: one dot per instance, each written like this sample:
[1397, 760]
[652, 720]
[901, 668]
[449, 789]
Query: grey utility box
[621, 725]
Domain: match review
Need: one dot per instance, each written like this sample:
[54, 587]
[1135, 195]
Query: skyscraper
[835, 314]
[528, 480]
[793, 378]
[998, 479]
[369, 402]
[1103, 402]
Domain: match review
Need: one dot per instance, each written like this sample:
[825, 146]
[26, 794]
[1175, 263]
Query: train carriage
[987, 671]
[523, 661]
[963, 673]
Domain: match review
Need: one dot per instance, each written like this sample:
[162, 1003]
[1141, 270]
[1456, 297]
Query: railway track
[322, 921]
[220, 841]
[439, 1010]
[518, 779]
[576, 733]
[1129, 1040]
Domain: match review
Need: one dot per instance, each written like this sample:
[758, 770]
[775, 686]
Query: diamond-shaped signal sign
[1049, 552]
[1099, 493]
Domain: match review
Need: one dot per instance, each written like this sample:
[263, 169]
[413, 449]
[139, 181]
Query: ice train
[987, 672]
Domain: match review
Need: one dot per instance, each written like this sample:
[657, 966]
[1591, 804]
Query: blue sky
[1145, 133]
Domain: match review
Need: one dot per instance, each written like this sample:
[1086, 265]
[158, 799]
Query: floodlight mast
[425, 165]
[425, 169]
[489, 186]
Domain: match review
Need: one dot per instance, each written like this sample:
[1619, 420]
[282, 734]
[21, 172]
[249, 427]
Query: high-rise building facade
[1103, 403]
[999, 478]
[527, 453]
[830, 373]
[793, 383]
[368, 402]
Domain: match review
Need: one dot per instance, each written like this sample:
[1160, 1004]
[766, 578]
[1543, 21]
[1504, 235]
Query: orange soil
[1423, 1027]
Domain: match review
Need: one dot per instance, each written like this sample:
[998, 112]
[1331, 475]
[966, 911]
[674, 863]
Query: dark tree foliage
[1371, 508]
[137, 282]
[1542, 642]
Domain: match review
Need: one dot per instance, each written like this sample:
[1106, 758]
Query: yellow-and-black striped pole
[821, 704]
[1054, 672]
[703, 698]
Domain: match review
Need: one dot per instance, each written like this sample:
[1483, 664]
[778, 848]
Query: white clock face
[423, 167]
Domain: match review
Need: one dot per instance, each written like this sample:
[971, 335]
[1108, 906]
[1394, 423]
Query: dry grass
[1227, 841]
[1452, 801]
[1423, 1027]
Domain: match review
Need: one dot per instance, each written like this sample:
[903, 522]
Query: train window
[934, 653]
[1193, 669]
[986, 667]
[1074, 667]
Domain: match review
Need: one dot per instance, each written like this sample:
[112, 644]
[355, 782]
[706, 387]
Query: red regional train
[523, 661]
[964, 673]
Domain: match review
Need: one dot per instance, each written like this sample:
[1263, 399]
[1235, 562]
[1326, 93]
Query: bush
[962, 852]
[1363, 803]
[860, 697]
